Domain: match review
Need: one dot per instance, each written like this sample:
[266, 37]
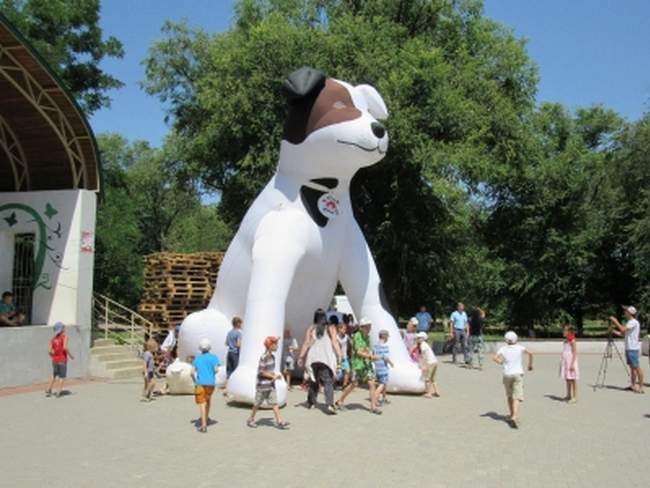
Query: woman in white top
[321, 349]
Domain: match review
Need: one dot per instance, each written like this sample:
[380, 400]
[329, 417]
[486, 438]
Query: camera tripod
[607, 356]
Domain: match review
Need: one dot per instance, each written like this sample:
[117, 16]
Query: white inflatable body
[178, 377]
[299, 237]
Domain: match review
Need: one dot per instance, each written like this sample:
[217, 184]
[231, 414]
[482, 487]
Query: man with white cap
[631, 330]
[510, 357]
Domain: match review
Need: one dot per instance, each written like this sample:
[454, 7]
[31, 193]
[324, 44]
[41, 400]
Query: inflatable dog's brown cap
[315, 101]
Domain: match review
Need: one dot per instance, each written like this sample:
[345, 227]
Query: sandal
[251, 423]
[331, 410]
[376, 411]
[282, 425]
[339, 406]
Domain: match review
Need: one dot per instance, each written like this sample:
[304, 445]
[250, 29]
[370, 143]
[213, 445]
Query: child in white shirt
[428, 365]
[510, 357]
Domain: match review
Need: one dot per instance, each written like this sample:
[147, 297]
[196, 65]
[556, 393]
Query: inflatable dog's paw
[243, 382]
[406, 377]
[207, 324]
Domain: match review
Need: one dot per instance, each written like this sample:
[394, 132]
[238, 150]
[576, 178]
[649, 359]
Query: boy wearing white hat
[631, 330]
[510, 357]
[204, 369]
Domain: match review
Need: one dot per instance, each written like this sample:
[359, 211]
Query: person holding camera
[631, 330]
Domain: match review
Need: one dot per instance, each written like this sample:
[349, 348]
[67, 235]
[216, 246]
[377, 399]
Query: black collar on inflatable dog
[310, 195]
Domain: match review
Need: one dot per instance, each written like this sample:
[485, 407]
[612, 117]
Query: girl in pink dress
[569, 364]
[410, 340]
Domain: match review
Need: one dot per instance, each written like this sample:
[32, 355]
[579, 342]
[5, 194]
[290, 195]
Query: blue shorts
[632, 357]
[345, 364]
[382, 379]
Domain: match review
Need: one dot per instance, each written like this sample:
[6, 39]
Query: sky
[588, 52]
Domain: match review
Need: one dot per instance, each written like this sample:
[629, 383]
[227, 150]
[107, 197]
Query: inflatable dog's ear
[376, 106]
[302, 83]
[301, 89]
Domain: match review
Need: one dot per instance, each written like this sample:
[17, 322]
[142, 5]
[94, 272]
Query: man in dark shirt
[476, 346]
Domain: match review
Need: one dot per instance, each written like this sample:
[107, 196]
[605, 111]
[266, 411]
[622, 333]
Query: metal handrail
[111, 316]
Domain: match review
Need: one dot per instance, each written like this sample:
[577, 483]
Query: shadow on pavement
[356, 406]
[619, 388]
[496, 416]
[269, 422]
[608, 387]
[197, 422]
[556, 398]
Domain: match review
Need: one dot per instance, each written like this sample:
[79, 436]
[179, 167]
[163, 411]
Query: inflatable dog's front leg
[274, 262]
[362, 284]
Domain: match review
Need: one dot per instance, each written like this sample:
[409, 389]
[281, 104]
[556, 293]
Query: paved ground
[102, 436]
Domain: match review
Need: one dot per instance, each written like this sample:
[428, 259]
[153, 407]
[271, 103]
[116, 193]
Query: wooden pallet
[177, 284]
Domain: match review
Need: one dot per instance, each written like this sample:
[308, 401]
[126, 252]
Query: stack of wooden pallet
[177, 284]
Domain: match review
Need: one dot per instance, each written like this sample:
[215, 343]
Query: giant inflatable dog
[300, 237]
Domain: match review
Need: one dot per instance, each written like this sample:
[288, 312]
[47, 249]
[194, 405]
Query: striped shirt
[266, 365]
[381, 350]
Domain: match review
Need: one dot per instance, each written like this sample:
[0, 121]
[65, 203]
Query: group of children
[359, 363]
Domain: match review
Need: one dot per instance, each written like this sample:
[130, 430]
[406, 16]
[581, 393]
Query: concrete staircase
[109, 360]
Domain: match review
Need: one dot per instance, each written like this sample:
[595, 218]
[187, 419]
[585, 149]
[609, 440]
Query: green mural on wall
[46, 240]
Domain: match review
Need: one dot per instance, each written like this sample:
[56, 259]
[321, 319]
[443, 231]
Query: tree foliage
[67, 34]
[144, 208]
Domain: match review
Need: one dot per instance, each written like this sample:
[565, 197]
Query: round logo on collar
[328, 205]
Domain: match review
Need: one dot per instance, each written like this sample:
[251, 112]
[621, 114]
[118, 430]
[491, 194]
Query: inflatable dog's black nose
[378, 130]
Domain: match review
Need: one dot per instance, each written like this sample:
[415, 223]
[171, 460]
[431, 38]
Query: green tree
[628, 208]
[118, 261]
[458, 86]
[200, 229]
[546, 224]
[145, 208]
[67, 34]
